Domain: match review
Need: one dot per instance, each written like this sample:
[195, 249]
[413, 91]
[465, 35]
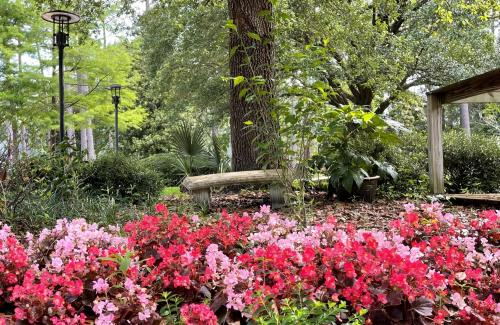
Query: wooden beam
[488, 82]
[435, 142]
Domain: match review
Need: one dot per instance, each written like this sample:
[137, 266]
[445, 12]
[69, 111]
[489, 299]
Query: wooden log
[225, 179]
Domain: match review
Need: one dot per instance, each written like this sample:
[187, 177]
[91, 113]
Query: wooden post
[202, 197]
[277, 192]
[435, 143]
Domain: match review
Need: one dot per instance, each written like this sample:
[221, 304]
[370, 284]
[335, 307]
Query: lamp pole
[60, 36]
[115, 97]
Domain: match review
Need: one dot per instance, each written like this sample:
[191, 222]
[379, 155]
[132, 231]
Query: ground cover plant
[260, 268]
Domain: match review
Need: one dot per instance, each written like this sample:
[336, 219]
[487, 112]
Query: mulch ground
[365, 215]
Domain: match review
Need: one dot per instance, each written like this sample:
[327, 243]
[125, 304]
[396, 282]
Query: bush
[166, 165]
[41, 189]
[409, 157]
[122, 176]
[471, 165]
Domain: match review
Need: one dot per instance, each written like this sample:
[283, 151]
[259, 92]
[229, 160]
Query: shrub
[166, 165]
[125, 177]
[409, 157]
[471, 165]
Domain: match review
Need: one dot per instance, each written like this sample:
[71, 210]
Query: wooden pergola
[483, 88]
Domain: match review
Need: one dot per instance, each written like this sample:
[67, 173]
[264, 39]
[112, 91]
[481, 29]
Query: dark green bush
[165, 164]
[41, 189]
[471, 165]
[123, 177]
[409, 158]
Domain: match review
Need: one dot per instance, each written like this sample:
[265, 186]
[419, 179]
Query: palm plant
[194, 155]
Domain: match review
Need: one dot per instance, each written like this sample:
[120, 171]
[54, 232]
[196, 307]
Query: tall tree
[251, 62]
[465, 118]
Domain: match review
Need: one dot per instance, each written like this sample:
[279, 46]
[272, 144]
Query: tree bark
[24, 141]
[70, 131]
[86, 132]
[252, 58]
[464, 118]
[90, 142]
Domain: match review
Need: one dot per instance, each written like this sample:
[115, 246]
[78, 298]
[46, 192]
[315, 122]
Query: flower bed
[261, 267]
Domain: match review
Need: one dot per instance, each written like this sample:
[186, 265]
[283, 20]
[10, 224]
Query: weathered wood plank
[493, 197]
[233, 178]
[488, 82]
[435, 143]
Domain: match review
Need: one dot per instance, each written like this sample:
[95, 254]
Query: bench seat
[200, 186]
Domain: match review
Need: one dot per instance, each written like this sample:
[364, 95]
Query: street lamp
[60, 36]
[115, 97]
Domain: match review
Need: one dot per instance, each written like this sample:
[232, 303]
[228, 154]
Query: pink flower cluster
[75, 267]
[428, 267]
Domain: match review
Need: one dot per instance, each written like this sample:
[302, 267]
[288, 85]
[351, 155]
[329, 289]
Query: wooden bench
[200, 186]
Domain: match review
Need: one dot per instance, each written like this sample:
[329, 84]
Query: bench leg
[202, 197]
[277, 192]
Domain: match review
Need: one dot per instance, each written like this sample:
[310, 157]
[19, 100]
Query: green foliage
[409, 157]
[170, 307]
[41, 189]
[123, 177]
[471, 165]
[193, 155]
[348, 164]
[166, 165]
[307, 312]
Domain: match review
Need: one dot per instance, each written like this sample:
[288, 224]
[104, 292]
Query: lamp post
[115, 97]
[60, 36]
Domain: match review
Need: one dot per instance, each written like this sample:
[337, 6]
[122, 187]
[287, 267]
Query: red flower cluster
[174, 248]
[197, 314]
[13, 261]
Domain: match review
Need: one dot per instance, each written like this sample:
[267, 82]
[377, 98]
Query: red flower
[309, 273]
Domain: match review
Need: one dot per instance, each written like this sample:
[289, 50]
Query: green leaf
[248, 123]
[237, 80]
[243, 92]
[254, 36]
[230, 25]
[347, 183]
[233, 50]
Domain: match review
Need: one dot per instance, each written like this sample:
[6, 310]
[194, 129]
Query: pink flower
[100, 285]
[265, 209]
[105, 319]
[458, 301]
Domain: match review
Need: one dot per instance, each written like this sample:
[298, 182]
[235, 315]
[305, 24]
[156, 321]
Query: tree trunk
[252, 58]
[90, 142]
[464, 118]
[86, 132]
[70, 131]
[84, 143]
[10, 140]
[24, 141]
